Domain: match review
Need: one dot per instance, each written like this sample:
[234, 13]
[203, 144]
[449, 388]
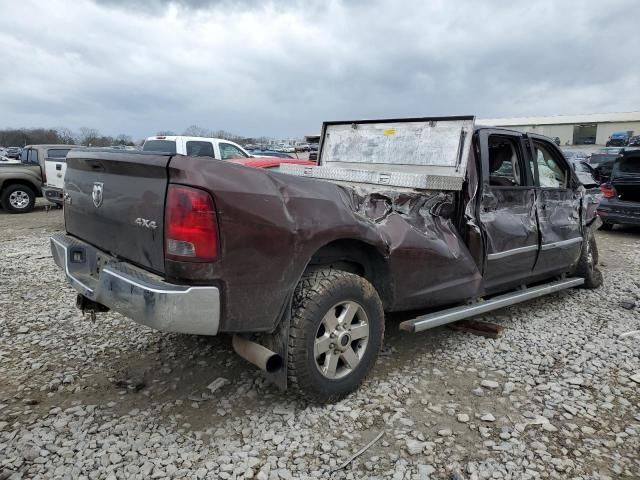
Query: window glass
[200, 149]
[505, 159]
[29, 156]
[164, 146]
[628, 165]
[551, 172]
[228, 151]
[60, 154]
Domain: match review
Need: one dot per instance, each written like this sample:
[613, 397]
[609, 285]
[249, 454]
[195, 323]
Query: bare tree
[196, 131]
[123, 139]
[66, 136]
[88, 136]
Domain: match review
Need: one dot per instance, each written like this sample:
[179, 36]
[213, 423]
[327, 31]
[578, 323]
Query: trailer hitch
[87, 305]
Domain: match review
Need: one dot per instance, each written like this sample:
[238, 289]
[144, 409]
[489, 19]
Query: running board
[454, 314]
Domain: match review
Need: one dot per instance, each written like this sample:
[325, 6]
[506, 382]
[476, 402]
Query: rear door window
[200, 149]
[552, 172]
[160, 146]
[57, 154]
[228, 151]
[628, 165]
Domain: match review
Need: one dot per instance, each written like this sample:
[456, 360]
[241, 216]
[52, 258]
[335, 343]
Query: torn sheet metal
[271, 225]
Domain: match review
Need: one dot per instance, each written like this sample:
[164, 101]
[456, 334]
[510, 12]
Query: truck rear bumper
[618, 212]
[53, 194]
[134, 292]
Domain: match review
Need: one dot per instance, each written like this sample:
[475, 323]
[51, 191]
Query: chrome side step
[454, 314]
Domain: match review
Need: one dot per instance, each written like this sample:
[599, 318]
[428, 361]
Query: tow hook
[86, 305]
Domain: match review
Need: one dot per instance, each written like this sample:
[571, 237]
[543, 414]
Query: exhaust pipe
[260, 356]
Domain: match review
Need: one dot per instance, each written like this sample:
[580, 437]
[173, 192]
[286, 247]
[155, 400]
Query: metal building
[586, 129]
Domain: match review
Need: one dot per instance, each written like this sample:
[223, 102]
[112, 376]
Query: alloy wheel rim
[341, 340]
[19, 199]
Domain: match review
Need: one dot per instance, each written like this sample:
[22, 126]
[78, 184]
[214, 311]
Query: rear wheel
[336, 333]
[18, 199]
[587, 264]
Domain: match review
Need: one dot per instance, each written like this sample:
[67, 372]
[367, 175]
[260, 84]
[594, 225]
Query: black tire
[587, 264]
[14, 196]
[321, 291]
[607, 227]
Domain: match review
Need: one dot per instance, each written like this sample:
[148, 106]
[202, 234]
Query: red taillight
[191, 230]
[607, 190]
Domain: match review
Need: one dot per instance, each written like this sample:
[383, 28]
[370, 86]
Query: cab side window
[200, 149]
[505, 162]
[552, 172]
[29, 156]
[228, 152]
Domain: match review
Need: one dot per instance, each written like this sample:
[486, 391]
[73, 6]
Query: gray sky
[280, 69]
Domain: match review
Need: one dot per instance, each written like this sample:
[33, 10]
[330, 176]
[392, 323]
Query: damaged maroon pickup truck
[300, 265]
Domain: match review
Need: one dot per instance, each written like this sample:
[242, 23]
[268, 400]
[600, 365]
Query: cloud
[281, 68]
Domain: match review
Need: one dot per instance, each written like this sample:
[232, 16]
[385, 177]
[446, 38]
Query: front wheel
[337, 327]
[587, 264]
[18, 199]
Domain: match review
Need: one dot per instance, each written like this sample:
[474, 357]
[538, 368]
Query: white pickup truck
[195, 147]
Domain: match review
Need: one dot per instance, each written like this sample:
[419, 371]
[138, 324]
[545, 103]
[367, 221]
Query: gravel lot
[558, 396]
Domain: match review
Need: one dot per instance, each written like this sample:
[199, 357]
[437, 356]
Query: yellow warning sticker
[389, 131]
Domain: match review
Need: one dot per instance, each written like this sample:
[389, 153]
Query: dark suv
[621, 194]
[619, 139]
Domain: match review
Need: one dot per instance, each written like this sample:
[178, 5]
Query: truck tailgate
[115, 201]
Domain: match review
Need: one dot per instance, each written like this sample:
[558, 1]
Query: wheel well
[16, 181]
[360, 258]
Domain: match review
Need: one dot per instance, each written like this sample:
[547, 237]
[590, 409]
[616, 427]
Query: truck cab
[217, 148]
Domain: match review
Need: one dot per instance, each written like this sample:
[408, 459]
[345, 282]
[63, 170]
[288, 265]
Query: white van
[195, 147]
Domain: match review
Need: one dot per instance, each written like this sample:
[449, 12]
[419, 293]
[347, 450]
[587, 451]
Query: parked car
[603, 160]
[585, 173]
[618, 139]
[195, 147]
[580, 155]
[313, 151]
[620, 204]
[301, 266]
[634, 141]
[40, 172]
[13, 152]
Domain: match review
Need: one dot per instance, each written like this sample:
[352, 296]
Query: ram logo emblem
[96, 194]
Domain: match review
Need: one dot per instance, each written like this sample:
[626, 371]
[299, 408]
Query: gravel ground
[558, 396]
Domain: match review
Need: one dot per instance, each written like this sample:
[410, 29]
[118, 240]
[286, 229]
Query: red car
[270, 163]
